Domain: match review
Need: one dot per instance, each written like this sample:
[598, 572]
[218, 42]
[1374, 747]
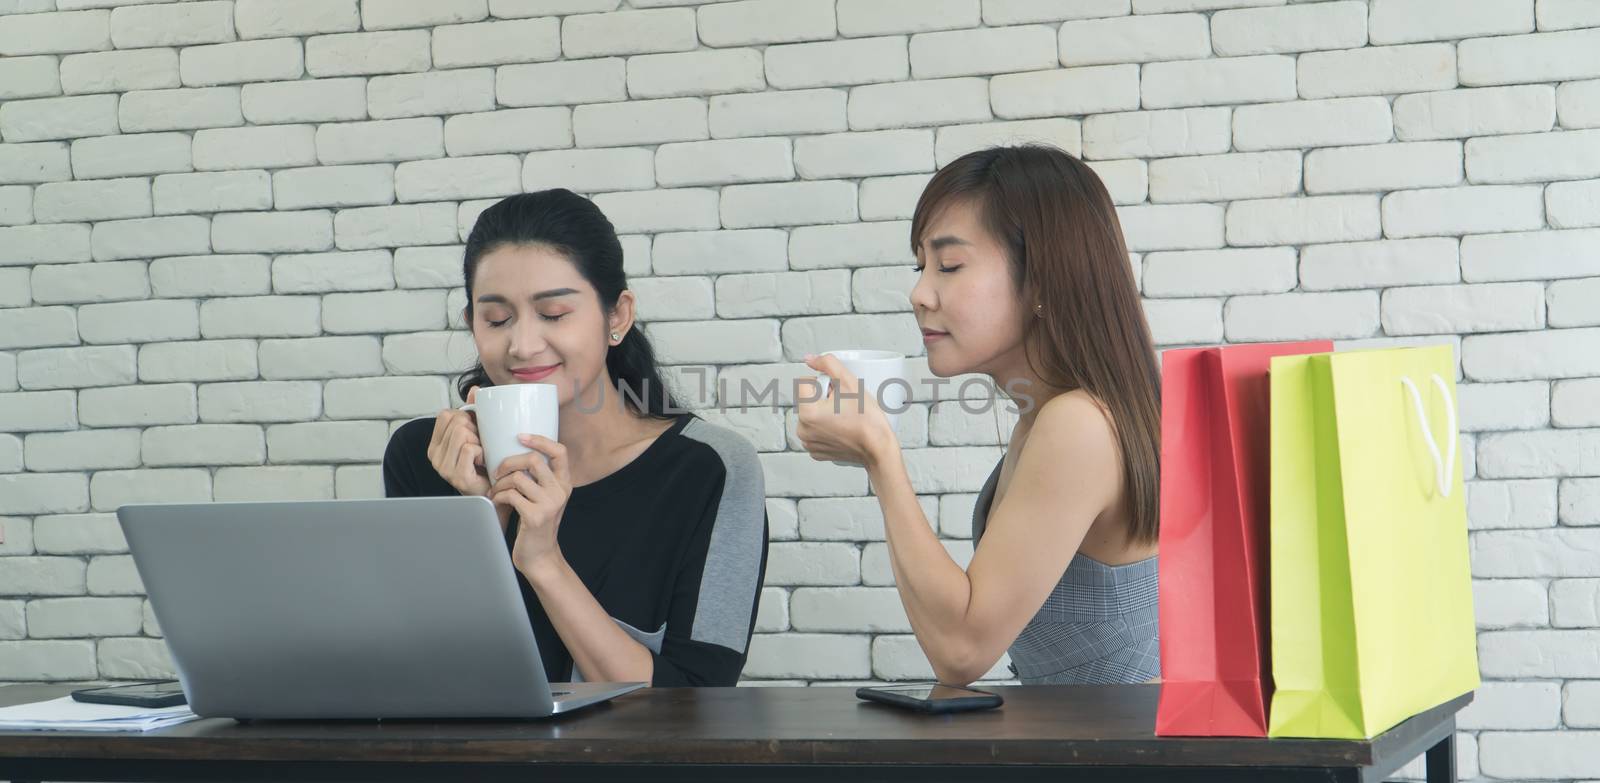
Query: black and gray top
[1098, 625]
[673, 545]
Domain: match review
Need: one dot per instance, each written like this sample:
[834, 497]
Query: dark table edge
[1380, 756]
[408, 772]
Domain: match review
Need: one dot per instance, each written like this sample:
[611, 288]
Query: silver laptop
[399, 608]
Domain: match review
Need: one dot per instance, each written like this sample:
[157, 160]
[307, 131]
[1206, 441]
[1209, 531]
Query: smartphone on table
[931, 697]
[158, 693]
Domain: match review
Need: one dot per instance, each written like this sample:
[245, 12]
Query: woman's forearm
[600, 649]
[935, 590]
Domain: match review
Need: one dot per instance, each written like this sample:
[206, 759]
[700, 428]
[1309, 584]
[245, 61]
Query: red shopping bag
[1216, 679]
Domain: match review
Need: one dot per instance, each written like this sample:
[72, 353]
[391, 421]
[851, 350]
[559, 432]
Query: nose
[923, 297]
[527, 339]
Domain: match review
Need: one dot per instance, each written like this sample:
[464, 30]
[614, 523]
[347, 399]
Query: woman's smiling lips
[930, 335]
[534, 373]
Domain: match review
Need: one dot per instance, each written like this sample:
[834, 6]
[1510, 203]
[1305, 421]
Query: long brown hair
[1060, 230]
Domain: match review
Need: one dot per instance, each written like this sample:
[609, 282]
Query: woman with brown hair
[1024, 277]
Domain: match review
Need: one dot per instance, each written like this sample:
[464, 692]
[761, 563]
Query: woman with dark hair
[642, 543]
[1025, 278]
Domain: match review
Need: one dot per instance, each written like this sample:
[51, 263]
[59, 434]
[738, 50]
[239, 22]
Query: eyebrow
[942, 242]
[554, 292]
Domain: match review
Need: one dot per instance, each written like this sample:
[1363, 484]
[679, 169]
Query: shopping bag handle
[1444, 467]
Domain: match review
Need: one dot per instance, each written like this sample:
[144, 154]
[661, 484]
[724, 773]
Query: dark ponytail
[573, 226]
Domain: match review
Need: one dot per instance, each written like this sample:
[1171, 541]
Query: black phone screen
[164, 693]
[933, 692]
[145, 689]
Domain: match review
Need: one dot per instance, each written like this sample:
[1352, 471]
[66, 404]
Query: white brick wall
[230, 239]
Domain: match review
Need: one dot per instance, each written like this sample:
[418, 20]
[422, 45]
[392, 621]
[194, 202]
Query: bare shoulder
[1071, 455]
[1077, 422]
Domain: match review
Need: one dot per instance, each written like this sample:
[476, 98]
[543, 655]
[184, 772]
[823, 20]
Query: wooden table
[732, 734]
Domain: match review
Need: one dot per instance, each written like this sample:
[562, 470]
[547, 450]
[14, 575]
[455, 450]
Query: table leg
[1441, 760]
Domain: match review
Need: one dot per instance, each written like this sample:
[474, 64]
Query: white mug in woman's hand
[882, 374]
[505, 412]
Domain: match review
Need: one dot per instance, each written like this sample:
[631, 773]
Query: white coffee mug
[504, 412]
[882, 374]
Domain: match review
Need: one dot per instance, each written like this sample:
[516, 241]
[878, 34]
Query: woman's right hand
[456, 452]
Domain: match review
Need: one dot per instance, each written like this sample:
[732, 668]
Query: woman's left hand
[538, 493]
[848, 429]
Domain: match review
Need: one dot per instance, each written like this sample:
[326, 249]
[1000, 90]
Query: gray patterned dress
[1097, 626]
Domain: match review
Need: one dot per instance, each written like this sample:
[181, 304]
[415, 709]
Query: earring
[616, 338]
[1038, 310]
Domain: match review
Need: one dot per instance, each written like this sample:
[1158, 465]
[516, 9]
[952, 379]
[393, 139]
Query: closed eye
[541, 315]
[944, 269]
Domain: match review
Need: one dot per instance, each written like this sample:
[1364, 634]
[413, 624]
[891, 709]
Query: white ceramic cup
[504, 412]
[875, 369]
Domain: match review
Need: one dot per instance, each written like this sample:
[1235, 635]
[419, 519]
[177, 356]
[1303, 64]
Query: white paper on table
[66, 714]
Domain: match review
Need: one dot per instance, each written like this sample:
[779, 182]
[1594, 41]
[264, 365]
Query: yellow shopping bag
[1371, 586]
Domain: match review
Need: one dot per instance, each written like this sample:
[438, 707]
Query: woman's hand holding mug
[537, 485]
[504, 417]
[847, 423]
[456, 452]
